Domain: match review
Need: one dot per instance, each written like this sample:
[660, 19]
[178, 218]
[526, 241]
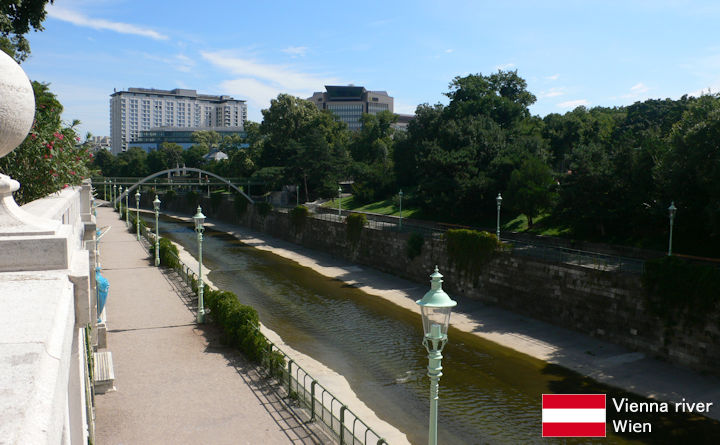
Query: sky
[571, 53]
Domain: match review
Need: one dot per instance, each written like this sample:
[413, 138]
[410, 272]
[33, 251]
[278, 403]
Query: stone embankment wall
[609, 305]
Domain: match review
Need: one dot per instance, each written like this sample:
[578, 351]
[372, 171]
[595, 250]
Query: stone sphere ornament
[17, 104]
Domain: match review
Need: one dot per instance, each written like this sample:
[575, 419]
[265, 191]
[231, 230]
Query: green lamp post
[127, 206]
[435, 308]
[156, 206]
[118, 197]
[339, 202]
[137, 214]
[400, 195]
[499, 203]
[671, 211]
[199, 219]
[113, 195]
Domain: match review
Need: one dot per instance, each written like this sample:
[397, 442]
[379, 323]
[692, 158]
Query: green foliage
[531, 188]
[17, 17]
[469, 250]
[677, 289]
[240, 325]
[134, 222]
[298, 217]
[414, 245]
[168, 253]
[263, 208]
[48, 159]
[355, 223]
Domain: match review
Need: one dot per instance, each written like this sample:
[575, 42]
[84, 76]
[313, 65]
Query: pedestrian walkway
[175, 383]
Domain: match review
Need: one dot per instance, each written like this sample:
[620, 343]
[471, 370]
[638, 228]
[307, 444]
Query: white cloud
[552, 92]
[553, 77]
[296, 51]
[505, 66]
[449, 50]
[260, 82]
[79, 19]
[639, 88]
[180, 62]
[573, 103]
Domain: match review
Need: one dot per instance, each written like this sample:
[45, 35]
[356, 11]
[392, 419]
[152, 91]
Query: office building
[141, 109]
[349, 103]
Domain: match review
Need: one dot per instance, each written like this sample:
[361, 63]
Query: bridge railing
[300, 386]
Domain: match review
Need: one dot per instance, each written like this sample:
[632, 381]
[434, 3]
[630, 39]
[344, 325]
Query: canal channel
[488, 393]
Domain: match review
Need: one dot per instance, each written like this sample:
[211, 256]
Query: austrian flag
[573, 415]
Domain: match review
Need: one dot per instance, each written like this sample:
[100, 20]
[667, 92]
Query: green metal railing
[322, 406]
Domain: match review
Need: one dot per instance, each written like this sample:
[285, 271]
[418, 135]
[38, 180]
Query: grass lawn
[386, 207]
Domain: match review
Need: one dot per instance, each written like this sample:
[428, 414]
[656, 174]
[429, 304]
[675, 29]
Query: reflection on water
[488, 394]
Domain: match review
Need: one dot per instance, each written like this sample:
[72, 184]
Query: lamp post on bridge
[137, 213]
[119, 195]
[105, 190]
[499, 203]
[199, 219]
[156, 206]
[113, 192]
[671, 211]
[435, 308]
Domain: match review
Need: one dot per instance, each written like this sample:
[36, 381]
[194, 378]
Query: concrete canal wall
[609, 305]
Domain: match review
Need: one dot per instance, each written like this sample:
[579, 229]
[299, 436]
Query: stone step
[104, 373]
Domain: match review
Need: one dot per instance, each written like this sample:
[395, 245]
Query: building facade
[150, 140]
[349, 103]
[141, 109]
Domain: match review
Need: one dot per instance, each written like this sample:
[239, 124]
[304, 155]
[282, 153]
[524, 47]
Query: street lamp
[499, 203]
[119, 195]
[127, 206]
[199, 219]
[137, 213]
[156, 206]
[435, 308]
[339, 202]
[671, 210]
[297, 195]
[401, 195]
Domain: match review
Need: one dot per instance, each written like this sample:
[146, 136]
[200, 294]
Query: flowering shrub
[50, 158]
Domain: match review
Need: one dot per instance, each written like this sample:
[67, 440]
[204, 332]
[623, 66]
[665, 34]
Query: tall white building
[144, 109]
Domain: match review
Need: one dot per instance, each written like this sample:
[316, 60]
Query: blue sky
[570, 52]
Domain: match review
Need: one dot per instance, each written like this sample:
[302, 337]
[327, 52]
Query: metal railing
[338, 420]
[544, 252]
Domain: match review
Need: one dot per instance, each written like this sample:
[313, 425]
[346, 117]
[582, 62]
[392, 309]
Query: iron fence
[544, 252]
[322, 406]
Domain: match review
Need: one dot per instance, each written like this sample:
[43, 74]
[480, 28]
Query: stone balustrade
[47, 295]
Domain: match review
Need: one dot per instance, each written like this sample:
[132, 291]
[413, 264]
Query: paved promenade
[175, 383]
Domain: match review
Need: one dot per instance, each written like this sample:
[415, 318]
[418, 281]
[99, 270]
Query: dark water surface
[488, 393]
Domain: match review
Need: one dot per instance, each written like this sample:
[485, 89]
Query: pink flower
[58, 135]
[33, 136]
[72, 172]
[77, 138]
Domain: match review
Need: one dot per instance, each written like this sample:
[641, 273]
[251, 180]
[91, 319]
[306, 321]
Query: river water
[488, 394]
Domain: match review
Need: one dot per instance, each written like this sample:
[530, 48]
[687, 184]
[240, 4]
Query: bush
[678, 288]
[134, 222]
[355, 223]
[298, 216]
[263, 208]
[414, 245]
[168, 253]
[469, 250]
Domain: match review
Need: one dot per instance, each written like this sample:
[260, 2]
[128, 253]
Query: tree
[289, 118]
[48, 159]
[530, 190]
[17, 17]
